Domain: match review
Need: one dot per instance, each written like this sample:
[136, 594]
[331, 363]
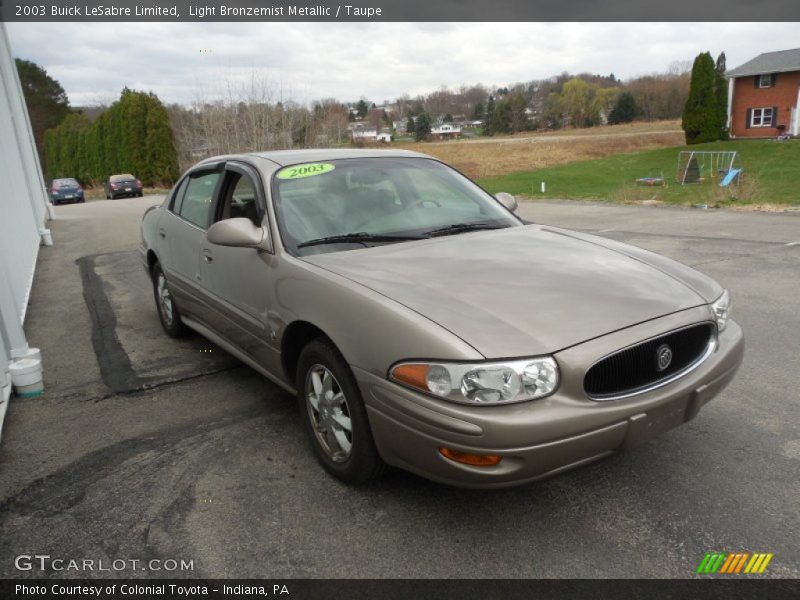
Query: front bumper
[543, 437]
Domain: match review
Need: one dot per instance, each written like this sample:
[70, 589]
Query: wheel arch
[296, 337]
[152, 259]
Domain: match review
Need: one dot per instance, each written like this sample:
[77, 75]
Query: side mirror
[507, 200]
[239, 233]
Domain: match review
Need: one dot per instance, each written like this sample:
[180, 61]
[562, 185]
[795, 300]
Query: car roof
[291, 157]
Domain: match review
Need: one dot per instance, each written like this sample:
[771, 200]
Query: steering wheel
[421, 202]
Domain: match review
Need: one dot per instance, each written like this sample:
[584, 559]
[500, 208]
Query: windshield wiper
[361, 237]
[462, 227]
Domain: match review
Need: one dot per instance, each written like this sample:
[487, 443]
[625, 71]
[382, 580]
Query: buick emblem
[663, 357]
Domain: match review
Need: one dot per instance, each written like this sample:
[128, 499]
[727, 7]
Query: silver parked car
[422, 324]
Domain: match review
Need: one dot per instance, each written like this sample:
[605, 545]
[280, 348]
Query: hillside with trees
[139, 134]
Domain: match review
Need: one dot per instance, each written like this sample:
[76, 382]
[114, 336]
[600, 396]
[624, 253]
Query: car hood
[523, 291]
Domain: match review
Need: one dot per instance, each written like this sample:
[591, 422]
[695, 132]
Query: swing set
[695, 165]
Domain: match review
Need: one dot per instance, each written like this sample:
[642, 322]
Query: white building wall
[24, 207]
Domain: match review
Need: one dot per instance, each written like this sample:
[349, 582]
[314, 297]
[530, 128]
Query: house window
[765, 81]
[762, 117]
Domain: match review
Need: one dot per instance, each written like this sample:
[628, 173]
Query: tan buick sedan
[421, 324]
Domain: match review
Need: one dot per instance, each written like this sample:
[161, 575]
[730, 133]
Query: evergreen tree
[624, 110]
[517, 115]
[477, 115]
[362, 108]
[112, 133]
[721, 85]
[701, 114]
[501, 117]
[487, 121]
[410, 125]
[50, 145]
[64, 156]
[162, 159]
[133, 135]
[422, 128]
[94, 141]
[45, 99]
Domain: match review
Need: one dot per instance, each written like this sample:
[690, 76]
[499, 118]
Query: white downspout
[730, 103]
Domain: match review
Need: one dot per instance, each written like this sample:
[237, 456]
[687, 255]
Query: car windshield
[350, 203]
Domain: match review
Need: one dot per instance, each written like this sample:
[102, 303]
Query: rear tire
[168, 312]
[334, 415]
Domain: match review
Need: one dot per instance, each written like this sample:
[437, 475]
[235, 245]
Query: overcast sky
[303, 61]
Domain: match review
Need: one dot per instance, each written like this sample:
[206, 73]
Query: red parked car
[118, 186]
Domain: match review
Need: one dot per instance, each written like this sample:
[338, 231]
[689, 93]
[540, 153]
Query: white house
[371, 135]
[24, 209]
[361, 133]
[446, 131]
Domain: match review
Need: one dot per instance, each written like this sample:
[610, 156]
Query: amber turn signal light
[415, 375]
[476, 460]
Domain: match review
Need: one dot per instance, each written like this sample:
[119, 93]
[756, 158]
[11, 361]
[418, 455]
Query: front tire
[168, 312]
[334, 415]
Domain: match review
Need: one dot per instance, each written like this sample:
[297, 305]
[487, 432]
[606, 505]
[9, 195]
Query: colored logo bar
[734, 563]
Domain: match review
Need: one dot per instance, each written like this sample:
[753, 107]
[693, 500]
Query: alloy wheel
[164, 300]
[329, 413]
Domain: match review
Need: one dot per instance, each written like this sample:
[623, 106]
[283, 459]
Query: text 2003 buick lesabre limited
[423, 325]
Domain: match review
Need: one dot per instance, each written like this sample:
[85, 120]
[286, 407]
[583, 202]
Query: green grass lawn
[771, 175]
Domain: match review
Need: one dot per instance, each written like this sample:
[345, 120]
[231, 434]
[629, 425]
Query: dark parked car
[118, 186]
[66, 190]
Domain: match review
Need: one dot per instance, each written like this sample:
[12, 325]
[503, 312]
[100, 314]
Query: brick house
[764, 96]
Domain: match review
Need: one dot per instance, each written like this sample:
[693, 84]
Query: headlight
[722, 308]
[481, 383]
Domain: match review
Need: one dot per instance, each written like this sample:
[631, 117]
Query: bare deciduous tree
[253, 114]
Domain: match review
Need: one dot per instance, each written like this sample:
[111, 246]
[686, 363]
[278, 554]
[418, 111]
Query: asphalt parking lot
[145, 447]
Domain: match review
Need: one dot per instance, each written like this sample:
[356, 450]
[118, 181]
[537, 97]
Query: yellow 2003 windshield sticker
[309, 170]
